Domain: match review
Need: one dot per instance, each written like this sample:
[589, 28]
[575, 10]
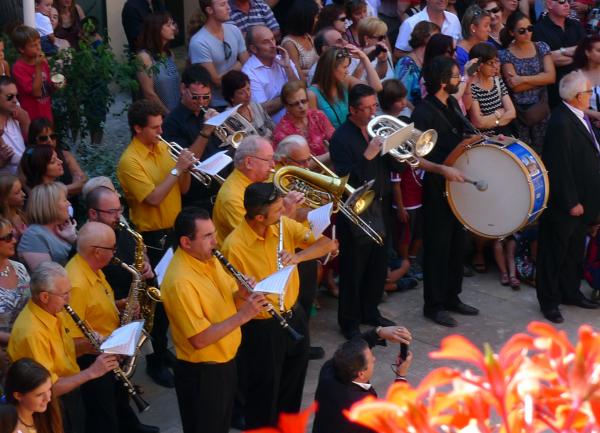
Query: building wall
[115, 29]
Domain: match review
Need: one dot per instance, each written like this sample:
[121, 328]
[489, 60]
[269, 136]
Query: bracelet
[202, 134]
[377, 330]
[497, 122]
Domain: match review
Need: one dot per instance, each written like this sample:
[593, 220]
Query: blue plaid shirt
[259, 14]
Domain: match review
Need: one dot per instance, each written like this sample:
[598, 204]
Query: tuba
[234, 130]
[321, 189]
[412, 143]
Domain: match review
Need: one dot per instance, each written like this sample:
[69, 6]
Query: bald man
[93, 300]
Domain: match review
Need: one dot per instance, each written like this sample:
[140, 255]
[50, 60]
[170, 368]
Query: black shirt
[118, 278]
[183, 127]
[132, 18]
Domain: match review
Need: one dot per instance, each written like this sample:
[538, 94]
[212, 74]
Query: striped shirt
[259, 14]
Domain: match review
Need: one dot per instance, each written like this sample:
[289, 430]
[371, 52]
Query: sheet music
[161, 267]
[222, 117]
[320, 218]
[393, 141]
[123, 340]
[215, 163]
[276, 282]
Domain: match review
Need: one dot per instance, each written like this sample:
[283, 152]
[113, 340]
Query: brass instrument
[202, 177]
[141, 404]
[280, 261]
[416, 144]
[320, 189]
[244, 282]
[234, 130]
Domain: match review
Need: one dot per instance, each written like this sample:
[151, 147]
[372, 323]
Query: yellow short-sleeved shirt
[229, 211]
[92, 298]
[140, 171]
[44, 338]
[197, 295]
[255, 256]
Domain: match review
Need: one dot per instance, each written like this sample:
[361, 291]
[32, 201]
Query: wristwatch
[497, 122]
[175, 172]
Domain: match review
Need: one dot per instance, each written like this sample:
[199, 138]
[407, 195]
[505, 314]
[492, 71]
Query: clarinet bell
[141, 404]
[296, 336]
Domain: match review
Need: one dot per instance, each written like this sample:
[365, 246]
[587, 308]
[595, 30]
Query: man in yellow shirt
[40, 333]
[275, 365]
[199, 297]
[153, 184]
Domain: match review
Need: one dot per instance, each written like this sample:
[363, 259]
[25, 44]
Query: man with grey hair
[572, 156]
[253, 162]
[40, 333]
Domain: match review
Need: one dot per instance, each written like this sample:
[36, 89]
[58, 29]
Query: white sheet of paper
[123, 340]
[320, 218]
[161, 267]
[276, 282]
[394, 140]
[221, 117]
[215, 163]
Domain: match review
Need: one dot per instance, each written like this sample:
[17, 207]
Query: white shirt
[43, 24]
[14, 139]
[266, 81]
[365, 386]
[451, 27]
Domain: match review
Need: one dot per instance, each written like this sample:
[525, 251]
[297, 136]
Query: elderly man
[330, 37]
[40, 333]
[14, 125]
[572, 157]
[269, 68]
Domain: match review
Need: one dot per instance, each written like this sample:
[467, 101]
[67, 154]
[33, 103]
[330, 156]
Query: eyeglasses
[587, 92]
[205, 97]
[8, 237]
[227, 50]
[10, 96]
[298, 103]
[455, 76]
[303, 162]
[45, 138]
[524, 30]
[111, 211]
[262, 159]
[342, 18]
[342, 53]
[113, 248]
[493, 10]
[60, 295]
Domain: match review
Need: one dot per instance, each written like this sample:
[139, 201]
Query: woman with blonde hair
[51, 233]
[372, 36]
[12, 201]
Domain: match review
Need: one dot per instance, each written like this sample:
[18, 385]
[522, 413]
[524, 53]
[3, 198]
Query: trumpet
[204, 178]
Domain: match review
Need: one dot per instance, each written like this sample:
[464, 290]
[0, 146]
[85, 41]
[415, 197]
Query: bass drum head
[501, 209]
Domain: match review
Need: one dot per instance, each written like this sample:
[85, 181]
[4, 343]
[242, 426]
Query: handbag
[533, 114]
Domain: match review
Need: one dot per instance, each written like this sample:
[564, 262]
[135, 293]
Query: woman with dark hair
[356, 10]
[527, 68]
[70, 15]
[12, 200]
[408, 68]
[331, 83]
[236, 90]
[587, 58]
[41, 133]
[475, 27]
[28, 387]
[298, 42]
[40, 165]
[158, 76]
[9, 419]
[332, 15]
[508, 8]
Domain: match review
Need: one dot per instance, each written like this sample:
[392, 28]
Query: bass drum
[517, 186]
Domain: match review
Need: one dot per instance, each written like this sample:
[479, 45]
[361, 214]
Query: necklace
[6, 271]
[28, 426]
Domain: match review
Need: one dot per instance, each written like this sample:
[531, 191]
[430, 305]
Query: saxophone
[149, 295]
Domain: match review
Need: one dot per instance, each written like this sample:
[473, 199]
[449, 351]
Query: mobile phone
[377, 51]
[471, 70]
[403, 351]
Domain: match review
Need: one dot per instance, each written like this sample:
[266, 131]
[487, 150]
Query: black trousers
[561, 246]
[275, 368]
[444, 241]
[106, 403]
[308, 285]
[73, 412]
[363, 270]
[205, 395]
[158, 242]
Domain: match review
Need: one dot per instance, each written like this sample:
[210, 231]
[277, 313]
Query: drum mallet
[481, 185]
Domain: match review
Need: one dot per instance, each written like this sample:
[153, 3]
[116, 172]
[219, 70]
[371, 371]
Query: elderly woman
[51, 233]
[372, 36]
[12, 201]
[302, 120]
[236, 90]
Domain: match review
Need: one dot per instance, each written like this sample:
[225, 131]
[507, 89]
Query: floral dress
[409, 73]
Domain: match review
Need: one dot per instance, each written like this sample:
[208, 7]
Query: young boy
[44, 26]
[32, 73]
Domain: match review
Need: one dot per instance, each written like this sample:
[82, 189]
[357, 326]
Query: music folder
[124, 340]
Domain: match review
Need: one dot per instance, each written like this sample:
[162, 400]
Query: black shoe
[162, 376]
[350, 333]
[584, 303]
[596, 296]
[467, 271]
[407, 283]
[442, 318]
[316, 352]
[170, 359]
[464, 309]
[238, 422]
[554, 316]
[381, 321]
[144, 428]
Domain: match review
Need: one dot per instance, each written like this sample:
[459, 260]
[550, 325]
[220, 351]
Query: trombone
[202, 177]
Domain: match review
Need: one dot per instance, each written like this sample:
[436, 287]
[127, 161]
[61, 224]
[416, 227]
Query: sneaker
[415, 271]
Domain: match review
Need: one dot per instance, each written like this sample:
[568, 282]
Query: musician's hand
[373, 148]
[103, 364]
[451, 174]
[291, 202]
[403, 366]
[576, 210]
[288, 258]
[395, 334]
[253, 305]
[147, 272]
[210, 113]
[185, 161]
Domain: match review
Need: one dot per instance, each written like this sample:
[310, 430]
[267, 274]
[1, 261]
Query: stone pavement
[503, 313]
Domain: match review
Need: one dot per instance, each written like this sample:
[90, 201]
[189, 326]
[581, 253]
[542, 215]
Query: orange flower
[289, 422]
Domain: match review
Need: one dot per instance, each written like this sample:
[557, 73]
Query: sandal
[504, 280]
[479, 265]
[515, 284]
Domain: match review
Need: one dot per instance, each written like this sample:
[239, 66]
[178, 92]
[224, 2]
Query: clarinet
[141, 404]
[244, 282]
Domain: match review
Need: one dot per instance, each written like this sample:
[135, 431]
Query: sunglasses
[227, 50]
[10, 97]
[523, 30]
[342, 53]
[342, 18]
[298, 103]
[200, 97]
[45, 138]
[8, 237]
[560, 2]
[493, 10]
